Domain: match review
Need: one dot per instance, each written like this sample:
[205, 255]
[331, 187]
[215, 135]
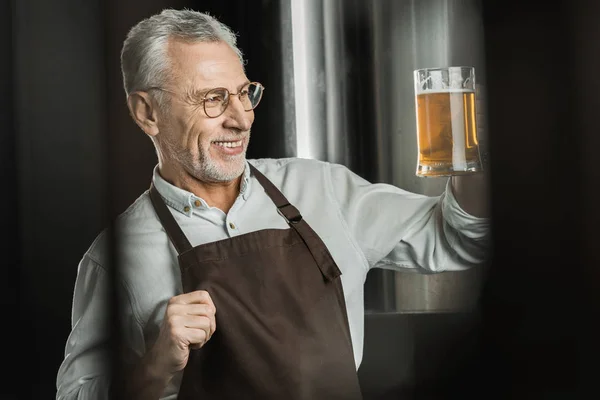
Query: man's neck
[221, 195]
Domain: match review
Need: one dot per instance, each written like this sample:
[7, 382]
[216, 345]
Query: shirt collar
[184, 201]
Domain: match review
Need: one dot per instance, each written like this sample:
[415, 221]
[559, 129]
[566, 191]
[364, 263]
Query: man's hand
[471, 193]
[189, 323]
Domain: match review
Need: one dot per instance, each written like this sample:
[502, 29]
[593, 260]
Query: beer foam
[430, 91]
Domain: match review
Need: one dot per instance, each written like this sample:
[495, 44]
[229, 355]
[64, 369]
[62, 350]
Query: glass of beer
[446, 121]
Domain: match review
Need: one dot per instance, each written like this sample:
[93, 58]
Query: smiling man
[243, 279]
[201, 134]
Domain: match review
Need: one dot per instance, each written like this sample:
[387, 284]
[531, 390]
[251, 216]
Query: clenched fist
[188, 324]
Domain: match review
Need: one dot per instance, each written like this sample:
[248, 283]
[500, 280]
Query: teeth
[229, 144]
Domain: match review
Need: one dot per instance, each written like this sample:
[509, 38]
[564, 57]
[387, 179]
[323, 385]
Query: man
[243, 279]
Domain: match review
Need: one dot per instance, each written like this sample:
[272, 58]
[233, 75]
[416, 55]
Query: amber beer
[447, 131]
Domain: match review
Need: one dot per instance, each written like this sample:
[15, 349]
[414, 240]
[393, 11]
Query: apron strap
[284, 207]
[315, 245]
[178, 238]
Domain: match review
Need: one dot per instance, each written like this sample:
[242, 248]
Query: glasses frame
[229, 94]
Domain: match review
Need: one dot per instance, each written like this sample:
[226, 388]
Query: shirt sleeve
[85, 371]
[400, 230]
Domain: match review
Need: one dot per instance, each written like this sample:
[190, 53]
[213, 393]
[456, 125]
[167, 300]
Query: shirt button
[186, 209]
[197, 203]
[231, 225]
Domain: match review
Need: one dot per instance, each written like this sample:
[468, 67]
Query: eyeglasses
[215, 101]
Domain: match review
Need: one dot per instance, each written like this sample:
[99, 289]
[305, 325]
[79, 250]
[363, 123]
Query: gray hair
[144, 59]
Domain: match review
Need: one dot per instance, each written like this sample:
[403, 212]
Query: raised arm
[397, 229]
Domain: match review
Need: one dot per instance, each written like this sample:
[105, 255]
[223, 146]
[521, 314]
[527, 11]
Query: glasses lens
[215, 102]
[251, 95]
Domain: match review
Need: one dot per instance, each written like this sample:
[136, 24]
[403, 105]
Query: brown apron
[282, 328]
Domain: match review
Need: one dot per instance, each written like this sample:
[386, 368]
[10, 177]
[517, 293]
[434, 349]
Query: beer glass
[446, 122]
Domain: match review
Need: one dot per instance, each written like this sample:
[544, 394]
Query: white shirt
[363, 225]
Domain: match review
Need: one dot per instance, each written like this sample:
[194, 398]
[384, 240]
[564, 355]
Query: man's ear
[144, 112]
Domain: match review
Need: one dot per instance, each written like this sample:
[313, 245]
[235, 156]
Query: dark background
[71, 159]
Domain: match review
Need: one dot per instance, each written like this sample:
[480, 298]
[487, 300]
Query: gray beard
[204, 168]
[208, 170]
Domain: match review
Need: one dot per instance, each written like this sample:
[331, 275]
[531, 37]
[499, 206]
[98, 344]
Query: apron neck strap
[284, 207]
[178, 238]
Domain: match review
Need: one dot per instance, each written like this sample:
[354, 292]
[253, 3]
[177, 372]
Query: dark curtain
[538, 305]
[71, 159]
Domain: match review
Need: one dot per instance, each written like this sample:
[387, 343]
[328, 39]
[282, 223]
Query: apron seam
[241, 254]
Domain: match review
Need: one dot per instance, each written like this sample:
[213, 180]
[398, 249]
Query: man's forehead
[216, 69]
[207, 62]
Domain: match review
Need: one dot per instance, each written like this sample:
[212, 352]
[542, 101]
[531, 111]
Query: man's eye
[213, 98]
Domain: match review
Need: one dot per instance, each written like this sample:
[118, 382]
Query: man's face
[210, 149]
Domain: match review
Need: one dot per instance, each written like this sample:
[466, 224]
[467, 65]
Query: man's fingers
[197, 337]
[195, 297]
[199, 309]
[195, 312]
[203, 310]
[198, 322]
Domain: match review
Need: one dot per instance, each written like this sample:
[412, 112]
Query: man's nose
[236, 116]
